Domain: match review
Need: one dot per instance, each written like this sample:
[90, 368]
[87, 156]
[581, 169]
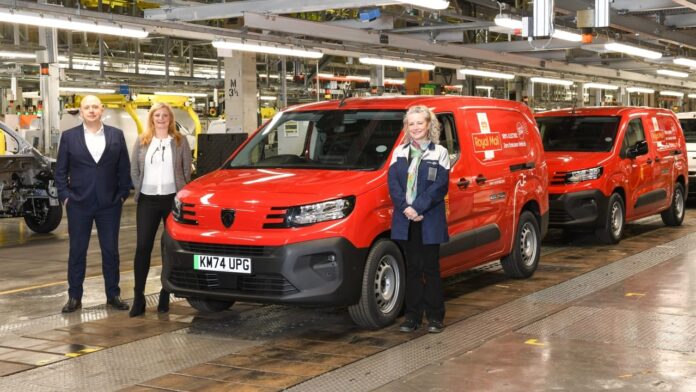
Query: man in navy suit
[93, 180]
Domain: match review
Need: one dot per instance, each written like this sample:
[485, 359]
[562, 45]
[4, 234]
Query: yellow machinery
[2, 143]
[142, 5]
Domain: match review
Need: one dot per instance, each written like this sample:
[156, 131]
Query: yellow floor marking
[43, 362]
[626, 375]
[635, 294]
[534, 342]
[502, 286]
[40, 286]
[691, 362]
[83, 352]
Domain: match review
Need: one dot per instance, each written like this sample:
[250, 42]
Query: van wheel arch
[674, 214]
[611, 227]
[523, 258]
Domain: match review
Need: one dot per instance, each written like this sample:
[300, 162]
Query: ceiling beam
[644, 5]
[635, 24]
[687, 3]
[408, 47]
[237, 8]
[682, 21]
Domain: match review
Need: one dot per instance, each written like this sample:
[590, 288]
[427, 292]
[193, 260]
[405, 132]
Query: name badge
[432, 173]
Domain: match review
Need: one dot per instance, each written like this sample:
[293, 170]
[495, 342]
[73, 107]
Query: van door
[459, 202]
[639, 170]
[667, 151]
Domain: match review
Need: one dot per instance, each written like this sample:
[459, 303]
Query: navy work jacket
[430, 192]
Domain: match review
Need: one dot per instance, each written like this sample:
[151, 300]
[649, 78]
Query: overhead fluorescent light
[87, 90]
[685, 62]
[601, 13]
[267, 48]
[559, 82]
[431, 4]
[691, 95]
[31, 94]
[17, 55]
[485, 74]
[601, 86]
[394, 81]
[566, 35]
[325, 75]
[72, 23]
[672, 93]
[632, 50]
[508, 22]
[669, 72]
[358, 78]
[267, 98]
[397, 63]
[485, 87]
[182, 94]
[640, 90]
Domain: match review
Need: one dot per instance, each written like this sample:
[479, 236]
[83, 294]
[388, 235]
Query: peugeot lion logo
[227, 217]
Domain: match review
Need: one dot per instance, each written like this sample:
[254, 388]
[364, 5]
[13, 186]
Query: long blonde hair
[433, 123]
[149, 131]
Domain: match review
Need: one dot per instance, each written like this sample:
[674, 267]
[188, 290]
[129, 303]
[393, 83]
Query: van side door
[638, 169]
[669, 155]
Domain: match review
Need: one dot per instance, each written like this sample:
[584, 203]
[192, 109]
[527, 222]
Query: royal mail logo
[487, 142]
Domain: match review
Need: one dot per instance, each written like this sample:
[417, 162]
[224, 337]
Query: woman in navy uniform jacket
[418, 179]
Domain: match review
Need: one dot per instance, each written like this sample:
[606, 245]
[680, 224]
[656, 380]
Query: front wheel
[613, 226]
[383, 287]
[674, 215]
[41, 217]
[209, 305]
[524, 257]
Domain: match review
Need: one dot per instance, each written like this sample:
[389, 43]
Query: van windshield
[327, 139]
[578, 133]
[689, 127]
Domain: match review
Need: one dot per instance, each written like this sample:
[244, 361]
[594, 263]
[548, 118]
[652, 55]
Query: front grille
[559, 178]
[559, 215]
[227, 250]
[195, 280]
[268, 284]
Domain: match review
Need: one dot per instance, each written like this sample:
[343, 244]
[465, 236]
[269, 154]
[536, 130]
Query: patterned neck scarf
[416, 153]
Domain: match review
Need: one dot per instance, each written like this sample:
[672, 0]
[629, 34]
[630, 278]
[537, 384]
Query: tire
[209, 305]
[524, 257]
[612, 228]
[674, 215]
[383, 287]
[47, 219]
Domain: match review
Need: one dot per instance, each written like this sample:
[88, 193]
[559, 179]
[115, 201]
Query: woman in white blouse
[160, 167]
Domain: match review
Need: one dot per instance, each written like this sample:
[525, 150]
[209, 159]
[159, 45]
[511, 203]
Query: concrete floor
[592, 318]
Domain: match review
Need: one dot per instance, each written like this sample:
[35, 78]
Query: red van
[611, 165]
[300, 213]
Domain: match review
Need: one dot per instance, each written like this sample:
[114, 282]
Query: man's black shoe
[409, 326]
[72, 305]
[117, 303]
[435, 326]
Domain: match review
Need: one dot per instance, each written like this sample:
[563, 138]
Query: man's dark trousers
[108, 221]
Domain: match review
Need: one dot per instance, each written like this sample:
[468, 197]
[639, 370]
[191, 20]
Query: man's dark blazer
[80, 179]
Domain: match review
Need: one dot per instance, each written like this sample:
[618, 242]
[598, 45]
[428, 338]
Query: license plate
[240, 265]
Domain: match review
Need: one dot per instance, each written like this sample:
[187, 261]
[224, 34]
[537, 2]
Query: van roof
[602, 111]
[406, 101]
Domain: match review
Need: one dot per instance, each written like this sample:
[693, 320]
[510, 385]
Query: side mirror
[638, 149]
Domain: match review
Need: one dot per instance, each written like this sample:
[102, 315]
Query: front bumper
[326, 272]
[577, 209]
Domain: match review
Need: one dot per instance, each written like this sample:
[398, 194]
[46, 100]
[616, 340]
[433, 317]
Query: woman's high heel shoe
[138, 306]
[163, 305]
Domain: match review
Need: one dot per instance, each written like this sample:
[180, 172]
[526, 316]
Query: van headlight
[583, 175]
[320, 212]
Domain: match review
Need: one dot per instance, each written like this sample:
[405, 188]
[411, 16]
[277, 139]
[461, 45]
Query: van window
[325, 139]
[634, 133]
[448, 135]
[689, 127]
[578, 133]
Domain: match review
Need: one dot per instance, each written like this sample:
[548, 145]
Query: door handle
[649, 161]
[480, 179]
[463, 183]
[657, 159]
[676, 152]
